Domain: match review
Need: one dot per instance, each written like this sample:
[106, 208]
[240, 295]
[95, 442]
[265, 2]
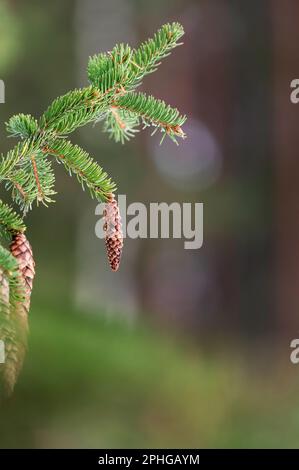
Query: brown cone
[20, 248]
[114, 235]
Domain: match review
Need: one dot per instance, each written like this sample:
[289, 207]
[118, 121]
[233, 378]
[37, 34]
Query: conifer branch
[78, 162]
[148, 56]
[153, 112]
[22, 125]
[127, 67]
[121, 124]
[26, 170]
[10, 222]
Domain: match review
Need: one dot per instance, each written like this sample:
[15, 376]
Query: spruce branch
[78, 162]
[75, 109]
[109, 71]
[148, 56]
[27, 169]
[10, 222]
[127, 67]
[22, 125]
[153, 112]
[15, 156]
[121, 124]
[32, 180]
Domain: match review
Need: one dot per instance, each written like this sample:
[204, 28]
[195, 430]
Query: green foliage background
[89, 383]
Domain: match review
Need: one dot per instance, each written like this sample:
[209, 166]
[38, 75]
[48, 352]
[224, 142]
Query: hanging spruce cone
[15, 327]
[113, 232]
[22, 251]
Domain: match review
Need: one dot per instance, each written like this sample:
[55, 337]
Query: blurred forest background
[180, 348]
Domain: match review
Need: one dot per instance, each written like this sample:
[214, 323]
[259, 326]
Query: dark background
[180, 348]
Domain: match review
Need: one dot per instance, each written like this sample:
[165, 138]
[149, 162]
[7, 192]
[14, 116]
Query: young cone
[114, 235]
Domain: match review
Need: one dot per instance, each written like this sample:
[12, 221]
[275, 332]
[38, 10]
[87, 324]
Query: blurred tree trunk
[185, 288]
[286, 142]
